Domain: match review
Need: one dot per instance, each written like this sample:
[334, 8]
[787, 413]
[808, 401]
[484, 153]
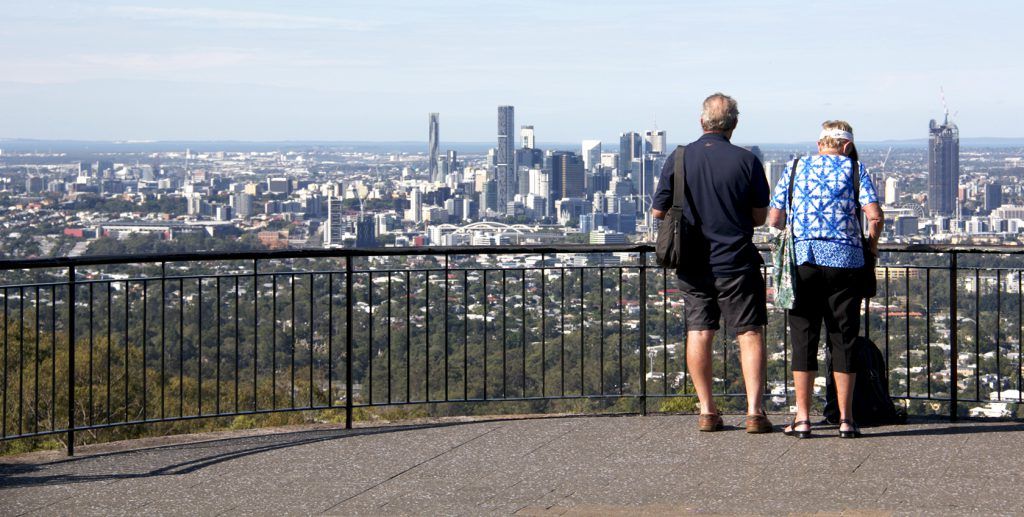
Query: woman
[827, 245]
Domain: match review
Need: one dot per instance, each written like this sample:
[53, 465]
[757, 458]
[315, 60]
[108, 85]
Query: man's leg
[752, 359]
[743, 304]
[698, 361]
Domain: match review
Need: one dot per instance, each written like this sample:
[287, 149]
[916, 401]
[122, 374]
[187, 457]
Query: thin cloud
[238, 19]
[143, 62]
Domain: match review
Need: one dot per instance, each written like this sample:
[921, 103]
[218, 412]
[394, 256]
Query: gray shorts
[740, 299]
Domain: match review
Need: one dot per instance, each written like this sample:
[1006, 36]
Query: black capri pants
[826, 294]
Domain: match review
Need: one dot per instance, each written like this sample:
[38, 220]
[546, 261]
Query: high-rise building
[453, 162]
[591, 152]
[892, 190]
[34, 184]
[773, 171]
[943, 166]
[366, 232]
[567, 175]
[279, 185]
[630, 148]
[243, 205]
[993, 196]
[415, 212]
[432, 143]
[505, 158]
[655, 141]
[526, 132]
[334, 226]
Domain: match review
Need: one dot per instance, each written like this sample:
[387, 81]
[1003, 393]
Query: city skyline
[367, 72]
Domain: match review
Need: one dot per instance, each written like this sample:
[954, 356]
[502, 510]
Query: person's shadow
[934, 427]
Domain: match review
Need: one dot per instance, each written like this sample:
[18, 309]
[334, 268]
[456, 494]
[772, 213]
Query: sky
[373, 70]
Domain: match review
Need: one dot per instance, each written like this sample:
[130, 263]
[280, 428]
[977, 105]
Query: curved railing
[99, 342]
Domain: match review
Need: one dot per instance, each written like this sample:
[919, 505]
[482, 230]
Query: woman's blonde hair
[835, 143]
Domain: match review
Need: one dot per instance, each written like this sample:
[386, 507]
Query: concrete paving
[655, 465]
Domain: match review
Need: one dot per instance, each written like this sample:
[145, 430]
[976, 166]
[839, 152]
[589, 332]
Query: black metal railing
[95, 343]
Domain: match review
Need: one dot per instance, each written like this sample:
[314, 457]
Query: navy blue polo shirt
[726, 182]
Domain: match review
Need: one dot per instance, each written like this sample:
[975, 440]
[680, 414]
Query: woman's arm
[876, 223]
[777, 218]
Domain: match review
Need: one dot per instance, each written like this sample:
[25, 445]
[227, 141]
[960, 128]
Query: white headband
[836, 133]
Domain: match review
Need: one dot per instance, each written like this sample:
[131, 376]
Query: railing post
[348, 342]
[954, 349]
[71, 361]
[643, 333]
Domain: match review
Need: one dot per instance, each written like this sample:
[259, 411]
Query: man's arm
[662, 199]
[760, 193]
[876, 223]
[759, 215]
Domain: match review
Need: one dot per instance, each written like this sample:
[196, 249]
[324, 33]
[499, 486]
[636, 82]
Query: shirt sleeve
[663, 194]
[780, 199]
[760, 191]
[868, 194]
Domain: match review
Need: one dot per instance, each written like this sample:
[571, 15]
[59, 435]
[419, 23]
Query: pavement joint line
[548, 442]
[956, 455]
[438, 455]
[862, 462]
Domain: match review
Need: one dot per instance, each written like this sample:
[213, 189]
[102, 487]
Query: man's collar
[714, 135]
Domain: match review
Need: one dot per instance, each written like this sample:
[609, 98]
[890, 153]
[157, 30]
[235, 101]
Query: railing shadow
[19, 475]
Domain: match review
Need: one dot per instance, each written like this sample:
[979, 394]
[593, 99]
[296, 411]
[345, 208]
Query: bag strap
[855, 172]
[679, 177]
[789, 192]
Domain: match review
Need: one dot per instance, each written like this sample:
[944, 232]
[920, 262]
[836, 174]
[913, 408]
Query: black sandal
[799, 434]
[852, 432]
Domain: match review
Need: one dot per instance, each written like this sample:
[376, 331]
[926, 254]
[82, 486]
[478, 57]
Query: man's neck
[725, 134]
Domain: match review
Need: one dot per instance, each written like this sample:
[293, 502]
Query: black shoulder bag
[867, 283]
[680, 245]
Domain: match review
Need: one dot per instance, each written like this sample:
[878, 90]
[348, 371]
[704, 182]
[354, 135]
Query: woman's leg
[803, 383]
[805, 325]
[842, 322]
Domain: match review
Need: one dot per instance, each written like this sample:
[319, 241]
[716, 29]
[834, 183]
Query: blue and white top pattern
[823, 219]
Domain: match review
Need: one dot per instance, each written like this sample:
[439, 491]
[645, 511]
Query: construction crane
[881, 166]
[945, 108]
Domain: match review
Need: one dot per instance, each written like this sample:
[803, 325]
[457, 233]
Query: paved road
[548, 466]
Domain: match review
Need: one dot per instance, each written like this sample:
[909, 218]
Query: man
[728, 194]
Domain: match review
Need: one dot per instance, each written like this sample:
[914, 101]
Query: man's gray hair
[720, 113]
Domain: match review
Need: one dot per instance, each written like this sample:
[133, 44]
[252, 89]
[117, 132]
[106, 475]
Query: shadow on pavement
[944, 429]
[19, 475]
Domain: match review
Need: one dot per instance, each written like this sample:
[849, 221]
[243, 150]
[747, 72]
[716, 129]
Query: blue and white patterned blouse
[824, 224]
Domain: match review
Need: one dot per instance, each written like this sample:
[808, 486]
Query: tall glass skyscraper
[432, 143]
[505, 166]
[943, 167]
[630, 148]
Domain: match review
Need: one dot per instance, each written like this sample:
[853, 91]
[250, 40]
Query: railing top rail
[532, 249]
[151, 258]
